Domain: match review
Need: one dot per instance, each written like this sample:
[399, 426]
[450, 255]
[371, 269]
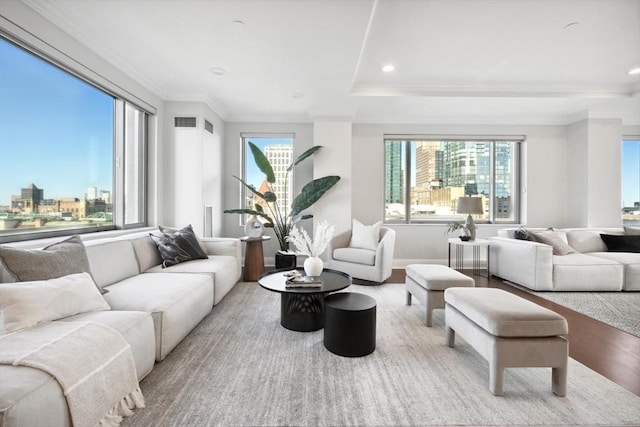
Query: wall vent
[185, 122]
[208, 221]
[208, 126]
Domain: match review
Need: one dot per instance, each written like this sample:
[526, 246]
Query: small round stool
[350, 324]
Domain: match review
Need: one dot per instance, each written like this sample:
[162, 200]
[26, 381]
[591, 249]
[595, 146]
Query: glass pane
[394, 195]
[134, 146]
[631, 183]
[56, 141]
[279, 152]
[505, 209]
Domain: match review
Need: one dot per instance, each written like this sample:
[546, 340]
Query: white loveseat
[590, 268]
[153, 308]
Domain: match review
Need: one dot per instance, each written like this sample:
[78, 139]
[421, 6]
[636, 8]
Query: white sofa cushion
[177, 303]
[222, 268]
[147, 252]
[631, 263]
[581, 272]
[27, 304]
[355, 255]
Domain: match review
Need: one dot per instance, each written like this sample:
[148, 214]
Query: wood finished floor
[611, 352]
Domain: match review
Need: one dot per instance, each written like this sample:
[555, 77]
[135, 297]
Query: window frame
[121, 99]
[408, 139]
[634, 139]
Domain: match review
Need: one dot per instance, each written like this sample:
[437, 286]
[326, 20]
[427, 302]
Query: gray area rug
[239, 367]
[618, 309]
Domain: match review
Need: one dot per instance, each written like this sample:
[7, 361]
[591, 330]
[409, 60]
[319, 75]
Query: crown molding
[497, 91]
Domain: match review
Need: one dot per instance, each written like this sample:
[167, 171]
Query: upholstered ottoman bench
[427, 282]
[508, 331]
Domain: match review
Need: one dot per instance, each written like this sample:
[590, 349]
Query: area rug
[239, 367]
[618, 309]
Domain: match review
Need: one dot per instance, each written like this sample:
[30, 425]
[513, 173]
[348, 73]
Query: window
[631, 181]
[424, 177]
[73, 155]
[279, 151]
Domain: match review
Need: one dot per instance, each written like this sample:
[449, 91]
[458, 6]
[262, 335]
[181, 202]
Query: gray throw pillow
[178, 246]
[170, 230]
[556, 240]
[59, 259]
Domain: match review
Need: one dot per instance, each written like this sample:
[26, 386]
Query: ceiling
[456, 61]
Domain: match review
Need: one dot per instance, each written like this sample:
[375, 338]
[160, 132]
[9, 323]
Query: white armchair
[364, 264]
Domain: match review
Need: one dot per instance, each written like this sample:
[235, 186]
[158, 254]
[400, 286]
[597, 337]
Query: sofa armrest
[384, 251]
[526, 263]
[223, 246]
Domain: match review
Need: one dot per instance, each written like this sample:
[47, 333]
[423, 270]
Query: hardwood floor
[611, 352]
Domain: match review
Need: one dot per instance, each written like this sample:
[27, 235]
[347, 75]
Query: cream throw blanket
[92, 363]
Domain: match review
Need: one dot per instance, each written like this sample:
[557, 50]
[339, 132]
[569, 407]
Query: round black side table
[350, 324]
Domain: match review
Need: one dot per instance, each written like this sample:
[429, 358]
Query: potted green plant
[272, 215]
[465, 233]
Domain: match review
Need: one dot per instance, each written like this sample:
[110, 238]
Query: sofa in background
[153, 308]
[586, 266]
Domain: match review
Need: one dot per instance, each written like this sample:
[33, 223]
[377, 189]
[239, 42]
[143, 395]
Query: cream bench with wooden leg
[508, 331]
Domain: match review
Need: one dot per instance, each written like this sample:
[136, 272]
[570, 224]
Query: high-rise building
[427, 162]
[394, 187]
[281, 156]
[92, 193]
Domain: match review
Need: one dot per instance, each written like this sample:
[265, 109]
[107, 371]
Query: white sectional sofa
[590, 268]
[153, 308]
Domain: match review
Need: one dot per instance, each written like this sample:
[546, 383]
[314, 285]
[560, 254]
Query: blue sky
[630, 172]
[55, 130]
[254, 176]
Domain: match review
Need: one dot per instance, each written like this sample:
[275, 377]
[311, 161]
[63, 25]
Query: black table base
[302, 312]
[350, 324]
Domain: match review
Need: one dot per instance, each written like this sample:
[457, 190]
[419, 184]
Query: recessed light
[218, 71]
[297, 95]
[388, 68]
[634, 71]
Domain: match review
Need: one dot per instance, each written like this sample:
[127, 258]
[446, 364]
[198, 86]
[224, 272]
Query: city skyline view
[55, 131]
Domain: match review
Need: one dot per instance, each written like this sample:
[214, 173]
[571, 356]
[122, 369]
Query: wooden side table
[253, 258]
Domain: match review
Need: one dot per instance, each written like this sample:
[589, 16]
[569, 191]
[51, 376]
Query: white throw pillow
[26, 304]
[365, 236]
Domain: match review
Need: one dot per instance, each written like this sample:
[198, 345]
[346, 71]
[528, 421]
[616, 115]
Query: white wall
[335, 158]
[193, 165]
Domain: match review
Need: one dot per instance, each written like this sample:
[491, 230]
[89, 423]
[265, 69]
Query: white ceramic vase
[313, 266]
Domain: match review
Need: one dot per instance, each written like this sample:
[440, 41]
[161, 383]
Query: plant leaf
[250, 188]
[303, 156]
[263, 163]
[259, 208]
[270, 197]
[312, 192]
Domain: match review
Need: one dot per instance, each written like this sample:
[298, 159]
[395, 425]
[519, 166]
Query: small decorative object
[465, 235]
[312, 248]
[253, 227]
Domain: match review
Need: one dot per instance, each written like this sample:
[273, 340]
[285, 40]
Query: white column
[334, 134]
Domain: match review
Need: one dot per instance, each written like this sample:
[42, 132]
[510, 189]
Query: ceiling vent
[208, 126]
[185, 122]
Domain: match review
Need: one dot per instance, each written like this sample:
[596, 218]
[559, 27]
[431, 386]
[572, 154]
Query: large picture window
[424, 177]
[631, 181]
[73, 155]
[278, 148]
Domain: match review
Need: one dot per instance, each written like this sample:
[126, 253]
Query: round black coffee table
[302, 309]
